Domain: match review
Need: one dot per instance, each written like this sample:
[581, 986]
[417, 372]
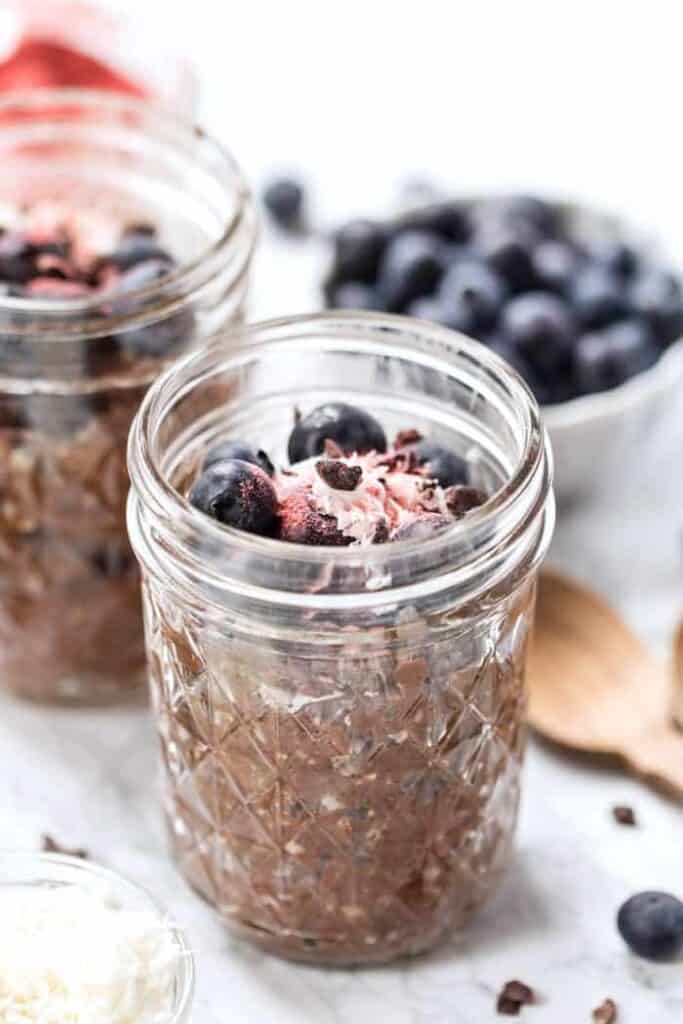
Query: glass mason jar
[73, 372]
[342, 728]
[22, 871]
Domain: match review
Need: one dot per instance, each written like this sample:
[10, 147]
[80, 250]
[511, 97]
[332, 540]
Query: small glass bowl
[49, 870]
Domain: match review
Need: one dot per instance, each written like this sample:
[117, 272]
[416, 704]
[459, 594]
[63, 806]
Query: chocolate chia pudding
[95, 300]
[337, 637]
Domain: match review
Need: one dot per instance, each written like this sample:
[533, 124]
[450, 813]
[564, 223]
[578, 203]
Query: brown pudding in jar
[102, 285]
[337, 623]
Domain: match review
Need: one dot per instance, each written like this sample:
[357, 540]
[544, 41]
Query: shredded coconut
[69, 957]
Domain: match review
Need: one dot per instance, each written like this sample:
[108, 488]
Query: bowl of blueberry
[587, 313]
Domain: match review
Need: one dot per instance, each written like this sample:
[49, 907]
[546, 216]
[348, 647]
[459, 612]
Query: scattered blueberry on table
[651, 925]
[575, 315]
[283, 198]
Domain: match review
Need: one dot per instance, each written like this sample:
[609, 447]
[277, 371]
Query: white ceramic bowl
[595, 436]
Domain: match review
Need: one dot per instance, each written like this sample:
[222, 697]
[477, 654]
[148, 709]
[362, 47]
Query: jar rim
[40, 868]
[69, 316]
[522, 501]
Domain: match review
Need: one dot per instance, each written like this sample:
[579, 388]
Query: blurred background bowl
[597, 437]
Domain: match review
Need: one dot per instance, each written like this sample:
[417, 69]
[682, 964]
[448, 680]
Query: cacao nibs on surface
[50, 845]
[405, 437]
[514, 995]
[338, 475]
[624, 815]
[606, 1013]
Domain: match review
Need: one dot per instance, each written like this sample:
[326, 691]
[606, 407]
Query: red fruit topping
[301, 523]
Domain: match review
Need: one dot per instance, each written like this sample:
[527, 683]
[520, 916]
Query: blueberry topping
[159, 339]
[284, 200]
[144, 273]
[358, 249]
[441, 463]
[474, 290]
[598, 296]
[542, 328]
[604, 359]
[353, 295]
[17, 258]
[237, 494]
[656, 296]
[136, 248]
[411, 267]
[238, 450]
[651, 924]
[354, 430]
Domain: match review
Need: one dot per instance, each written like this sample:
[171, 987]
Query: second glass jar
[73, 371]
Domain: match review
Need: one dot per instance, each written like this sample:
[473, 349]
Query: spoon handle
[677, 709]
[657, 757]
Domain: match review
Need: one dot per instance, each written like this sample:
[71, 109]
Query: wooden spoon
[595, 687]
[677, 706]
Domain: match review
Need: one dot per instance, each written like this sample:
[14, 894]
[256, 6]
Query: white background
[580, 99]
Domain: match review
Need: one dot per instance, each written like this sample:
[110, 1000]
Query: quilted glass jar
[73, 370]
[341, 728]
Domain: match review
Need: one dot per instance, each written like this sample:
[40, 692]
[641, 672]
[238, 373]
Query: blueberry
[449, 221]
[144, 274]
[656, 296]
[456, 317]
[651, 925]
[542, 328]
[159, 339]
[353, 430]
[353, 295]
[237, 494]
[238, 450]
[284, 200]
[507, 250]
[530, 211]
[541, 386]
[424, 527]
[617, 257]
[554, 265]
[411, 266]
[604, 359]
[598, 296]
[473, 287]
[17, 258]
[441, 463]
[135, 248]
[358, 249]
